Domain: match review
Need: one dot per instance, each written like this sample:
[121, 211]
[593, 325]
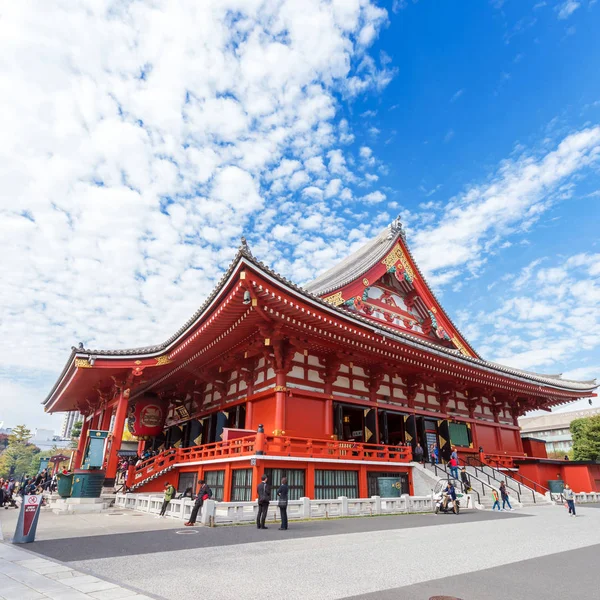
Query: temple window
[330, 485]
[241, 486]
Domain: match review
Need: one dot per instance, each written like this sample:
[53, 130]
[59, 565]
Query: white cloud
[566, 9]
[512, 200]
[457, 95]
[132, 158]
[449, 135]
[374, 197]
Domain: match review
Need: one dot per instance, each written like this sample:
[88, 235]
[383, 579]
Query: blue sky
[134, 158]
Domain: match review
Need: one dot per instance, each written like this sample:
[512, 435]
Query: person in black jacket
[282, 494]
[204, 493]
[464, 478]
[264, 497]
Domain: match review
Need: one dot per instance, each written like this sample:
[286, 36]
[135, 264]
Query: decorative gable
[385, 284]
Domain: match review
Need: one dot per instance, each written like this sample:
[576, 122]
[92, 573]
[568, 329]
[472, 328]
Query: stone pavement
[28, 576]
[527, 555]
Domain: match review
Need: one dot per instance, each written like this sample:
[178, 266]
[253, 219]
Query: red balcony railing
[334, 449]
[272, 446]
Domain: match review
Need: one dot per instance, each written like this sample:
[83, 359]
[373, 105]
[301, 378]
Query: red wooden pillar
[81, 444]
[117, 436]
[328, 420]
[140, 448]
[474, 439]
[363, 489]
[280, 395]
[309, 490]
[106, 416]
[248, 424]
[227, 483]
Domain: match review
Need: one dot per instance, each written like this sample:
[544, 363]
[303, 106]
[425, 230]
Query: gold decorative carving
[163, 360]
[138, 362]
[335, 299]
[280, 388]
[397, 255]
[82, 363]
[460, 346]
[365, 282]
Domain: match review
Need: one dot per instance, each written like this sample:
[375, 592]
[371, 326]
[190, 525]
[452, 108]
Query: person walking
[464, 478]
[504, 494]
[282, 494]
[264, 498]
[453, 464]
[569, 496]
[496, 500]
[204, 493]
[418, 453]
[169, 493]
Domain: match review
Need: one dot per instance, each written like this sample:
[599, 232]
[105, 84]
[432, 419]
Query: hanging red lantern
[147, 416]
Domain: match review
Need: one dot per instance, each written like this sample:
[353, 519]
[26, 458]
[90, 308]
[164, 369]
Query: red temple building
[332, 383]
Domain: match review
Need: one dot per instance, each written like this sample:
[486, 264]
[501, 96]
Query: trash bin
[556, 486]
[87, 484]
[65, 483]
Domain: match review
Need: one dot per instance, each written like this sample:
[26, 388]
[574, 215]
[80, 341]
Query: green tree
[586, 438]
[76, 433]
[16, 459]
[20, 434]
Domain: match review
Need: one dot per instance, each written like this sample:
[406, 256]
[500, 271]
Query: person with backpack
[204, 493]
[264, 497]
[169, 493]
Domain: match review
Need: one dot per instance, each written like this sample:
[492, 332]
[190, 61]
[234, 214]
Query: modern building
[69, 420]
[332, 384]
[554, 428]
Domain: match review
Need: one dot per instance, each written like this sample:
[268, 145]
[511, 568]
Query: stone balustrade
[226, 513]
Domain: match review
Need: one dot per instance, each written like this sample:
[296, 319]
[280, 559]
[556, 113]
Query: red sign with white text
[32, 505]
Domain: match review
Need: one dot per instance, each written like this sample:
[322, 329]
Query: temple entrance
[387, 485]
[391, 428]
[427, 434]
[349, 422]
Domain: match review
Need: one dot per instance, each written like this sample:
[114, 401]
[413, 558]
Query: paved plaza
[539, 552]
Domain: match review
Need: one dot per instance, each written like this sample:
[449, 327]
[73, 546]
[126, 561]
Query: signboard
[94, 455]
[28, 519]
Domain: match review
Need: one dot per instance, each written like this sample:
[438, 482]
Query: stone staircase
[484, 480]
[519, 493]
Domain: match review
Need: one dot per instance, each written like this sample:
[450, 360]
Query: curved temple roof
[347, 270]
[355, 265]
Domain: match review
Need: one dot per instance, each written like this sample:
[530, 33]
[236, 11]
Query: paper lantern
[147, 416]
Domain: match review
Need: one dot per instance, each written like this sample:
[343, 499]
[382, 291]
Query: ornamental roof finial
[244, 248]
[396, 227]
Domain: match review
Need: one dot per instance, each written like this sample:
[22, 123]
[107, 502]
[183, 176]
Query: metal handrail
[534, 483]
[506, 478]
[467, 463]
[443, 469]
